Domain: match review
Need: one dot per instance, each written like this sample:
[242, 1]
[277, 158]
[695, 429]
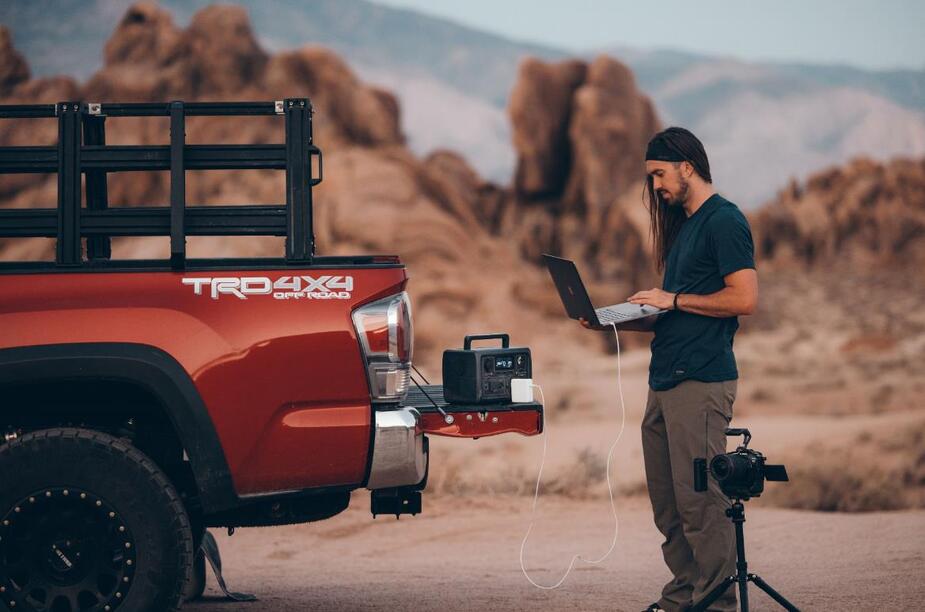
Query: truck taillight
[386, 338]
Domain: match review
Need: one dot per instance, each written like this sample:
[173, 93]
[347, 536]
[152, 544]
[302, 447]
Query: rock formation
[580, 132]
[13, 69]
[860, 217]
[540, 107]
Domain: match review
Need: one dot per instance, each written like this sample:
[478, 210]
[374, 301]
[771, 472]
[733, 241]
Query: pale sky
[878, 35]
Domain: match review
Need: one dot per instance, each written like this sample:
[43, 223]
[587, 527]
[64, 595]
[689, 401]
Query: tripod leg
[764, 586]
[713, 595]
[743, 595]
[738, 517]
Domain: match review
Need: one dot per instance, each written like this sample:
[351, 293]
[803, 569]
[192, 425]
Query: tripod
[737, 514]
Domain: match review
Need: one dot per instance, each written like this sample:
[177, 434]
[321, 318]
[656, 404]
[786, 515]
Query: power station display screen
[504, 363]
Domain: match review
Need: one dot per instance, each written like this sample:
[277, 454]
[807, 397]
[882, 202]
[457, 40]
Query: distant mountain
[761, 123]
[656, 68]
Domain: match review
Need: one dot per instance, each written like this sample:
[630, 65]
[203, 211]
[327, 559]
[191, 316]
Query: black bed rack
[82, 149]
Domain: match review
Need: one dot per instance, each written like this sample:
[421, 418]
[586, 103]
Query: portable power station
[483, 375]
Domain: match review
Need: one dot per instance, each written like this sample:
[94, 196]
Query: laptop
[578, 303]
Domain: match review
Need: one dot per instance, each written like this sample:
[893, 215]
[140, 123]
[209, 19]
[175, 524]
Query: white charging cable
[539, 477]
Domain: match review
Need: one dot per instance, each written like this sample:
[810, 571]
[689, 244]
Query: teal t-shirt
[713, 242]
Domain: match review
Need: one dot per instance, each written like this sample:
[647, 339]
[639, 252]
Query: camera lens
[722, 467]
[733, 468]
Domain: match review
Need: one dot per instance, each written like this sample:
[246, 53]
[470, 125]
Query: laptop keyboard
[609, 316]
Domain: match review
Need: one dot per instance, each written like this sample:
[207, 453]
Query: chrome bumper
[398, 449]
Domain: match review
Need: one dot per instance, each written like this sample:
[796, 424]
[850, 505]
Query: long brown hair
[666, 220]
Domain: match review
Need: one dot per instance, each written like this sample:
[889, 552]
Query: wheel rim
[64, 550]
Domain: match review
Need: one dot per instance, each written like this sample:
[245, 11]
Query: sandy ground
[462, 554]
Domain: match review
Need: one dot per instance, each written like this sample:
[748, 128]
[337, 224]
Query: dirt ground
[463, 555]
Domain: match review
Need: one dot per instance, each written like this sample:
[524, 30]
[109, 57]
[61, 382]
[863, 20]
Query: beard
[678, 199]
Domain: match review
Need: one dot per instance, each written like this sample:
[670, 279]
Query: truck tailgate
[476, 420]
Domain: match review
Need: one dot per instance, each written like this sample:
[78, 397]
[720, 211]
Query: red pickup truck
[142, 402]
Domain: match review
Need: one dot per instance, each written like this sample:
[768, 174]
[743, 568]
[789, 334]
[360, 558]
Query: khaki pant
[679, 425]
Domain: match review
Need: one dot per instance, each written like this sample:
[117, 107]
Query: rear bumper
[399, 450]
[399, 454]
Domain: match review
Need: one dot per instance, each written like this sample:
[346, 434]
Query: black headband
[658, 150]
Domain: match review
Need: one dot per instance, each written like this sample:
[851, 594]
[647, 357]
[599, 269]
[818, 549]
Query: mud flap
[210, 550]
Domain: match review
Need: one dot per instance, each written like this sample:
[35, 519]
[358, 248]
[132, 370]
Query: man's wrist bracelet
[674, 304]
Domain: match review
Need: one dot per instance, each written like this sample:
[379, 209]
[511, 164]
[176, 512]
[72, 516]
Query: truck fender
[155, 371]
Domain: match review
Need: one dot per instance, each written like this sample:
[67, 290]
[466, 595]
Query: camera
[741, 473]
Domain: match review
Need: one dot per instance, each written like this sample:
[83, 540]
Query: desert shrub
[584, 477]
[580, 478]
[876, 471]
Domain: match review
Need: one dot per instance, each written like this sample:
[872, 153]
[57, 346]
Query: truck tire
[88, 522]
[197, 583]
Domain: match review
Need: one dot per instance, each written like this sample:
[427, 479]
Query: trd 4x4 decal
[283, 288]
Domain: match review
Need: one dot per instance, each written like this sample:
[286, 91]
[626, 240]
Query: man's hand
[739, 297]
[587, 325]
[653, 297]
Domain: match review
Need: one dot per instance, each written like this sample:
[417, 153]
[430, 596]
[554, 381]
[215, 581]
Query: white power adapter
[522, 390]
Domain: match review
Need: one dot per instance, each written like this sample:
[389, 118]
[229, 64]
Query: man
[703, 244]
